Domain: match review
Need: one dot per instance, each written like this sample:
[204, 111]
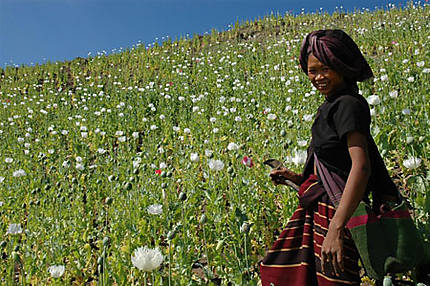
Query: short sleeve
[351, 115]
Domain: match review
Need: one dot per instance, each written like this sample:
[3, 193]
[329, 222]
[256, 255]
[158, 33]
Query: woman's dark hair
[337, 50]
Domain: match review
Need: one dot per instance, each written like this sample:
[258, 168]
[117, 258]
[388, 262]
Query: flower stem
[12, 259]
[153, 278]
[170, 261]
[246, 252]
[206, 248]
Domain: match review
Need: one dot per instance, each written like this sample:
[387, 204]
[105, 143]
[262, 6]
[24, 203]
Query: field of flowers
[162, 148]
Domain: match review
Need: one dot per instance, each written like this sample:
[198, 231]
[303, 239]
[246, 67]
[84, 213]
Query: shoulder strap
[332, 182]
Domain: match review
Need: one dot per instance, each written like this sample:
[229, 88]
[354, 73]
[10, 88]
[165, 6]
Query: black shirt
[345, 112]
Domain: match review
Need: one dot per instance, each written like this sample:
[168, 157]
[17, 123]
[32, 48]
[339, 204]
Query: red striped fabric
[396, 214]
[294, 259]
[365, 219]
[361, 220]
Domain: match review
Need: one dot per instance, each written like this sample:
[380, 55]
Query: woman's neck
[343, 89]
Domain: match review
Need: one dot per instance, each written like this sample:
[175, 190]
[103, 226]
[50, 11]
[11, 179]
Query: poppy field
[144, 167]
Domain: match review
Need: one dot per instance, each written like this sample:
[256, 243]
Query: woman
[315, 248]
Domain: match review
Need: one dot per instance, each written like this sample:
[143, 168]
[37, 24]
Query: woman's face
[324, 78]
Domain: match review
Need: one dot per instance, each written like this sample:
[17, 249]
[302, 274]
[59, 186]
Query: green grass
[234, 77]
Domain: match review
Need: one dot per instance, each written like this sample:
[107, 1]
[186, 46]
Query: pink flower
[247, 162]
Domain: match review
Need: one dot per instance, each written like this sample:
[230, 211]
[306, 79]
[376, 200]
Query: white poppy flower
[373, 99]
[384, 77]
[271, 116]
[56, 271]
[194, 157]
[155, 209]
[232, 146]
[308, 117]
[412, 162]
[14, 228]
[406, 111]
[208, 153]
[216, 165]
[299, 157]
[19, 173]
[420, 64]
[394, 93]
[101, 151]
[147, 259]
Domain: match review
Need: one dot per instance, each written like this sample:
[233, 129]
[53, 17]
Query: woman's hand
[279, 176]
[332, 250]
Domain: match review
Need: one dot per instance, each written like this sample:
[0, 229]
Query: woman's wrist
[295, 178]
[299, 179]
[336, 225]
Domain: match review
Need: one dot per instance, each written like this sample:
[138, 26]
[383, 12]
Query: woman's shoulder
[349, 113]
[351, 98]
[350, 102]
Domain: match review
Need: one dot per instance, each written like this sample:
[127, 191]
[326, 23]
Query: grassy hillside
[88, 145]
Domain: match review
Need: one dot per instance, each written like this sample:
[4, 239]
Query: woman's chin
[324, 91]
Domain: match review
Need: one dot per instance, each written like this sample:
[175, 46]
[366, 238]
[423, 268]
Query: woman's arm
[279, 176]
[332, 248]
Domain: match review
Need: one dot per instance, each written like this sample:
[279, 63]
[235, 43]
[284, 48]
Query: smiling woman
[324, 78]
[316, 248]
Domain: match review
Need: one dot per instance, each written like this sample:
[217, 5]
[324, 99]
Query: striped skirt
[294, 258]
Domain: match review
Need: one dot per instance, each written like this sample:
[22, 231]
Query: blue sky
[35, 31]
